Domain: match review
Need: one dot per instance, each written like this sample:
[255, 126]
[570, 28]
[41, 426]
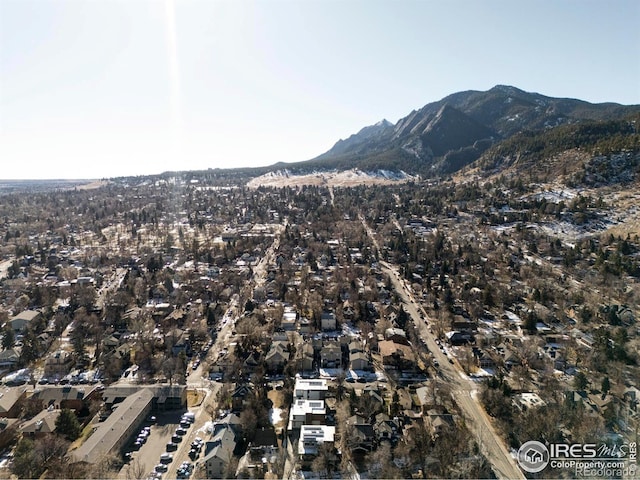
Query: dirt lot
[195, 398]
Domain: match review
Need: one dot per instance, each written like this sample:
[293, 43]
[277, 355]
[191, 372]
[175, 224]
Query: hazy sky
[101, 88]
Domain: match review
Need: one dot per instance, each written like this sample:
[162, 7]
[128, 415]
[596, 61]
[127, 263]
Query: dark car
[176, 438]
[172, 447]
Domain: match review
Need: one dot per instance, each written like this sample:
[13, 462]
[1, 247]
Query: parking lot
[148, 456]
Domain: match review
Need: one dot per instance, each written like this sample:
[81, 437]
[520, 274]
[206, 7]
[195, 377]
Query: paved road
[196, 430]
[197, 379]
[148, 456]
[463, 389]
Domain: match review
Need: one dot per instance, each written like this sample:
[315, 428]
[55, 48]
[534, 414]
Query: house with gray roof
[219, 452]
[40, 425]
[116, 431]
[21, 321]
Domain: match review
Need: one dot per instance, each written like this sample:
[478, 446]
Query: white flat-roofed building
[311, 389]
[307, 412]
[312, 436]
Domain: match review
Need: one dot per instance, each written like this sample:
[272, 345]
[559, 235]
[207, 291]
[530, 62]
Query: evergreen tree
[8, 338]
[67, 424]
[580, 381]
[605, 386]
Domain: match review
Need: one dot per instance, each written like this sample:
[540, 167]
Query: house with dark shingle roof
[40, 425]
[165, 396]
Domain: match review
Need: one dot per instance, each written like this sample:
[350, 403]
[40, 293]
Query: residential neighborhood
[191, 327]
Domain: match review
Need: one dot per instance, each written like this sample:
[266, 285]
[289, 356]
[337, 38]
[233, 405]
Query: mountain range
[445, 136]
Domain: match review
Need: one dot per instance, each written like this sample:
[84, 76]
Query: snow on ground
[275, 415]
[556, 195]
[281, 178]
[206, 428]
[350, 330]
[481, 374]
[563, 230]
[330, 373]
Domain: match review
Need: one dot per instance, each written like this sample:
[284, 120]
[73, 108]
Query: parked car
[166, 458]
[172, 447]
[189, 417]
[161, 467]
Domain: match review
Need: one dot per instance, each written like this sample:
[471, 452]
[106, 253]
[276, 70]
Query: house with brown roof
[40, 425]
[397, 355]
[164, 396]
[359, 361]
[65, 396]
[439, 422]
[7, 431]
[307, 354]
[277, 357]
[58, 364]
[331, 355]
[11, 401]
[386, 428]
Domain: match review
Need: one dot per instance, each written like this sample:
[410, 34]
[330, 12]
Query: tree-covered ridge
[595, 138]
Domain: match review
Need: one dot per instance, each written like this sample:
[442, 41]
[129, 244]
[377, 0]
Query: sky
[105, 88]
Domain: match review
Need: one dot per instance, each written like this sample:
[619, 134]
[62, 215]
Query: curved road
[463, 389]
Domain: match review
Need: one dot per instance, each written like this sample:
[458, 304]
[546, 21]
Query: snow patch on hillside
[334, 178]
